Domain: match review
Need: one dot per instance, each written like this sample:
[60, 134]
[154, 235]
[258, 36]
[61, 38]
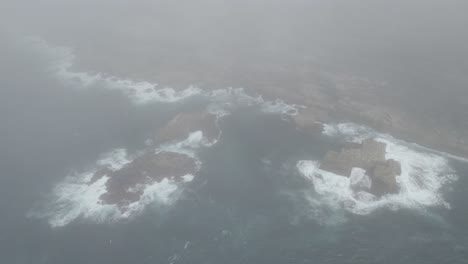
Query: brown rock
[145, 169]
[361, 155]
[339, 163]
[383, 176]
[370, 156]
[183, 124]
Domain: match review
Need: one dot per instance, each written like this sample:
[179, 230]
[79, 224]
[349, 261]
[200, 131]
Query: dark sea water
[243, 207]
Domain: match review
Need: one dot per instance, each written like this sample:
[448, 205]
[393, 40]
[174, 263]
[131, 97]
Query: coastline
[328, 96]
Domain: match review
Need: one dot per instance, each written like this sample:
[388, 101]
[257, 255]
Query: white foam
[421, 182]
[77, 197]
[139, 92]
[74, 198]
[423, 175]
[145, 92]
[163, 192]
[115, 159]
[279, 106]
[223, 101]
[233, 97]
[188, 177]
[359, 179]
[187, 146]
[350, 131]
[357, 133]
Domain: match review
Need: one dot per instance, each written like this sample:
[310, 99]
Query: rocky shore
[369, 156]
[347, 98]
[332, 97]
[328, 94]
[127, 184]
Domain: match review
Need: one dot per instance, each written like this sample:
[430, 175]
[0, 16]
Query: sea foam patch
[421, 182]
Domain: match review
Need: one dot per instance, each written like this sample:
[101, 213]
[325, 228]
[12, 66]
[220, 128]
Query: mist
[258, 102]
[398, 39]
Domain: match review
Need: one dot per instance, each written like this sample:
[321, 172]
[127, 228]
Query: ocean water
[248, 204]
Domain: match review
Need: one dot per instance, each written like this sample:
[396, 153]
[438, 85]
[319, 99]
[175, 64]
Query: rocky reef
[347, 98]
[127, 184]
[369, 156]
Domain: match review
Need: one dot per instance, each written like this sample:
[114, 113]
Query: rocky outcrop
[348, 98]
[127, 184]
[185, 123]
[307, 121]
[383, 175]
[369, 156]
[364, 155]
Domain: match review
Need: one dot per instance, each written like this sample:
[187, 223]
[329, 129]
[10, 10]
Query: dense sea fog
[78, 81]
[249, 203]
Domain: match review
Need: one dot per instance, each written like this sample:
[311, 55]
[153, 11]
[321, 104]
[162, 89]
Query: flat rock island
[370, 157]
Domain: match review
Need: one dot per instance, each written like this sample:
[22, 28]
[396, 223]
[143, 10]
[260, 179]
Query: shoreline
[328, 96]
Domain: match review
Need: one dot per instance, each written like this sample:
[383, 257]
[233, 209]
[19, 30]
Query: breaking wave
[78, 195]
[188, 146]
[422, 180]
[139, 92]
[222, 101]
[357, 133]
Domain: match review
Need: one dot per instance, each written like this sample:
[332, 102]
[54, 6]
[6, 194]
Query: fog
[397, 39]
[317, 54]
[415, 45]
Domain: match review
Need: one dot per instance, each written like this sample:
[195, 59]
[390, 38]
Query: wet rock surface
[364, 156]
[331, 97]
[127, 184]
[383, 177]
[369, 156]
